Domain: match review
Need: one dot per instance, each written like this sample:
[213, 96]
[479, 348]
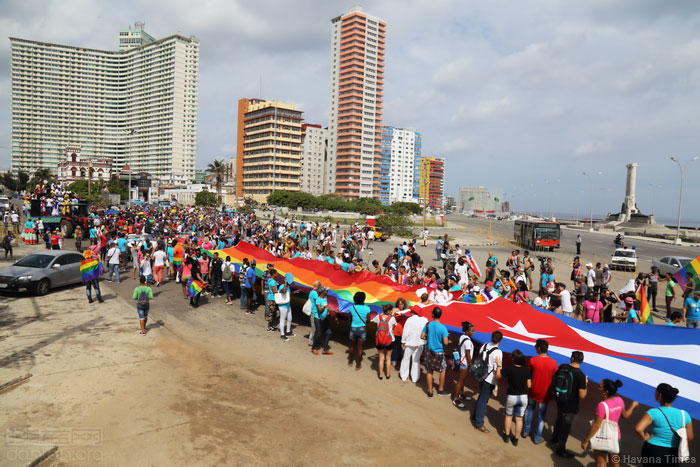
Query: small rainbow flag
[644, 309]
[194, 287]
[90, 269]
[694, 268]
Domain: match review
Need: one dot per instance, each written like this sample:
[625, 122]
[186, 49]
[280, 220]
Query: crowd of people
[172, 244]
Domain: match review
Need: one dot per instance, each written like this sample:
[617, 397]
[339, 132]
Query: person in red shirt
[54, 240]
[543, 369]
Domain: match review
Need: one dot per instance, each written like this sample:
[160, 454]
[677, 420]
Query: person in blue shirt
[452, 285]
[676, 318]
[272, 307]
[438, 249]
[323, 331]
[358, 331]
[661, 441]
[691, 310]
[249, 284]
[330, 259]
[435, 333]
[345, 266]
[313, 296]
[121, 243]
[631, 315]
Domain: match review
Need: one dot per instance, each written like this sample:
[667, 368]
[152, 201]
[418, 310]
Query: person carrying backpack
[384, 339]
[485, 369]
[144, 295]
[463, 363]
[568, 388]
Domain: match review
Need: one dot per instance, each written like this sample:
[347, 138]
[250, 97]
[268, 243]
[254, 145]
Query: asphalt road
[595, 245]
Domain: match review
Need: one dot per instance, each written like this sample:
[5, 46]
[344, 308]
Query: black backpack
[480, 367]
[563, 385]
[143, 298]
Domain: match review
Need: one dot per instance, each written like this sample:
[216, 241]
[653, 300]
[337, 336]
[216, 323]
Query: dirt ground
[212, 387]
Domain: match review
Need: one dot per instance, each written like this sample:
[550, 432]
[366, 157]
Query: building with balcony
[271, 148]
[358, 43]
[432, 182]
[135, 106]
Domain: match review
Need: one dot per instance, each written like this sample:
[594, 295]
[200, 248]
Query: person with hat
[473, 295]
[590, 276]
[489, 293]
[630, 314]
[691, 310]
[440, 296]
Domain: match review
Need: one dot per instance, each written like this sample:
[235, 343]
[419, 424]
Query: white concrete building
[137, 106]
[314, 152]
[186, 195]
[358, 43]
[404, 160]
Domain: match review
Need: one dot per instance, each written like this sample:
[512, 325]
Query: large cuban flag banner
[640, 356]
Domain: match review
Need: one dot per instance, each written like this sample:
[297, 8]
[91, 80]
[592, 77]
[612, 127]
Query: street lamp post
[590, 200]
[677, 241]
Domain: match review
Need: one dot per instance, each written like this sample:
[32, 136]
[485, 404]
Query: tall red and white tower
[358, 43]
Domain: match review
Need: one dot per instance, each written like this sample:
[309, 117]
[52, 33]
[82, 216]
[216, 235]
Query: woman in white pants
[412, 345]
[285, 308]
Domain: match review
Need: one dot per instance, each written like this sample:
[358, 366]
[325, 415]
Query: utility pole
[677, 241]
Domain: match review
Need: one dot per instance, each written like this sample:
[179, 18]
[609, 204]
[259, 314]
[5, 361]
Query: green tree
[40, 175]
[395, 224]
[205, 198]
[218, 169]
[118, 187]
[80, 187]
[406, 208]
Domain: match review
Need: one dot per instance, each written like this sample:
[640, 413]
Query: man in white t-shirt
[440, 296]
[590, 276]
[566, 307]
[113, 255]
[462, 270]
[425, 234]
[494, 357]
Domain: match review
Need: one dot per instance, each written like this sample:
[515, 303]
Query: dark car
[39, 272]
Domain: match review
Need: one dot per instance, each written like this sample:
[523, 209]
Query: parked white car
[624, 258]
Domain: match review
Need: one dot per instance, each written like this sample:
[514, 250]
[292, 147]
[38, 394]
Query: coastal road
[596, 246]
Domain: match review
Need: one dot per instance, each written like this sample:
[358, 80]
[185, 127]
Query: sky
[520, 97]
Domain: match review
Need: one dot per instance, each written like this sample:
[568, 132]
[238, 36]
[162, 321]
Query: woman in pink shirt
[592, 308]
[616, 409]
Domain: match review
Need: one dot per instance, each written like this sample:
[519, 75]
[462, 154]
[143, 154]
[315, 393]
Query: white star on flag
[520, 329]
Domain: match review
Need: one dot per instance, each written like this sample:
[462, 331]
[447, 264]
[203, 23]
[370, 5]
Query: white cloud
[592, 147]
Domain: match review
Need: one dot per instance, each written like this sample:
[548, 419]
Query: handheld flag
[644, 309]
[194, 287]
[473, 266]
[694, 268]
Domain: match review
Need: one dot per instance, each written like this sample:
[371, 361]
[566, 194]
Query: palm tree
[218, 169]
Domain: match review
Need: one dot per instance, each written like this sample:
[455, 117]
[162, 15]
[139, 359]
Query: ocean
[667, 221]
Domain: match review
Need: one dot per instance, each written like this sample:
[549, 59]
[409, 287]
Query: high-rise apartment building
[358, 43]
[399, 168]
[270, 158]
[136, 106]
[432, 181]
[314, 154]
[132, 38]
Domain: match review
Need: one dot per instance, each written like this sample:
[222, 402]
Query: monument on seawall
[629, 216]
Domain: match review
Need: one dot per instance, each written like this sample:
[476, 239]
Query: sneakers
[539, 441]
[430, 395]
[514, 440]
[100, 299]
[327, 352]
[291, 334]
[90, 300]
[443, 393]
[270, 329]
[459, 403]
[482, 429]
[314, 351]
[284, 338]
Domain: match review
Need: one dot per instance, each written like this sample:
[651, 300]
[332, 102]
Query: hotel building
[270, 143]
[358, 43]
[136, 106]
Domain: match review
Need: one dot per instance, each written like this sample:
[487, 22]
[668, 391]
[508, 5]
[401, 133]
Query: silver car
[670, 264]
[40, 272]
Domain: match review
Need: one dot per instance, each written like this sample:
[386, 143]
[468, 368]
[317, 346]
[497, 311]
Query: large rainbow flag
[640, 356]
[90, 269]
[694, 268]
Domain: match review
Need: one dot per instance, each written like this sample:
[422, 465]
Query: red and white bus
[537, 235]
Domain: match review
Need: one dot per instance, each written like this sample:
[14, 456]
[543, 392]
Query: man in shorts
[144, 295]
[435, 333]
